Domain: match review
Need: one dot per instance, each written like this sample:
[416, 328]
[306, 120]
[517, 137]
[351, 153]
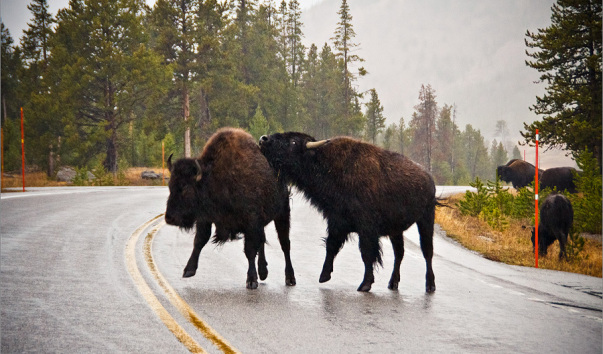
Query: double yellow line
[175, 299]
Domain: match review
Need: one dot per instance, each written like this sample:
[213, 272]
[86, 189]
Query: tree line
[109, 79]
[104, 82]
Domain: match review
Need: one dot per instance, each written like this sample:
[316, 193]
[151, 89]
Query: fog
[471, 52]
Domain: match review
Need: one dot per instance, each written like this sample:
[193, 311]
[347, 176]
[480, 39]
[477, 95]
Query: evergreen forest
[107, 82]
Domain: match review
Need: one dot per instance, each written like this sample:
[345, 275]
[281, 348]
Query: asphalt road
[96, 270]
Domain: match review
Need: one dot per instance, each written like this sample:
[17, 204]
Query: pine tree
[174, 22]
[259, 125]
[568, 56]
[477, 160]
[36, 52]
[424, 125]
[11, 100]
[389, 136]
[343, 41]
[35, 42]
[498, 154]
[516, 153]
[104, 73]
[375, 121]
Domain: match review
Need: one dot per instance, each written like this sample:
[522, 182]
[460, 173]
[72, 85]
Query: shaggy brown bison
[359, 188]
[556, 219]
[517, 172]
[561, 178]
[232, 186]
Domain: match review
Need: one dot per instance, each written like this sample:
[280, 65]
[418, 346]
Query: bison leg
[282, 225]
[371, 253]
[334, 241]
[398, 246]
[425, 226]
[262, 264]
[562, 242]
[253, 244]
[201, 237]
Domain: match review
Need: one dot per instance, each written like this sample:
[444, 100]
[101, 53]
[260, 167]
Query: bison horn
[316, 144]
[169, 162]
[199, 171]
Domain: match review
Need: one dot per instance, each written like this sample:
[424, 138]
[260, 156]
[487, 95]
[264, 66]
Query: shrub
[81, 177]
[587, 203]
[473, 203]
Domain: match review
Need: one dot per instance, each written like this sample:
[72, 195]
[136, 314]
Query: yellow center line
[178, 302]
[148, 295]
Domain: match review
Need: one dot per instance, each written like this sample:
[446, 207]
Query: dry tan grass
[513, 246]
[39, 179]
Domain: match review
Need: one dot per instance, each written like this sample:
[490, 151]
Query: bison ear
[199, 171]
[169, 162]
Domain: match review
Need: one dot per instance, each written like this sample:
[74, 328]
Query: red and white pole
[22, 151]
[536, 198]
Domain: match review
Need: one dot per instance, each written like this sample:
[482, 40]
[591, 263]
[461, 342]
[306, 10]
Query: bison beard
[232, 186]
[359, 188]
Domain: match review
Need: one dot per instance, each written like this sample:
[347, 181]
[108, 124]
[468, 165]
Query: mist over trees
[107, 84]
[568, 56]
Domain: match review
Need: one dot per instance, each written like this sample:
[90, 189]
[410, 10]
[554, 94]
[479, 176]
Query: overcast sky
[471, 52]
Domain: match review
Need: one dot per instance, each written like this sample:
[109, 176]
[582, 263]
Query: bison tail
[223, 236]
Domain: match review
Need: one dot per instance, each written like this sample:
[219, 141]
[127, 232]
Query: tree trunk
[187, 128]
[50, 171]
[205, 119]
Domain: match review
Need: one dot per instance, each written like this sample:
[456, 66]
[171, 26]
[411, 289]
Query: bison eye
[293, 143]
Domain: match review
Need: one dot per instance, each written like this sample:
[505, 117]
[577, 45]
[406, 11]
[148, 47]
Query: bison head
[285, 150]
[184, 201]
[504, 173]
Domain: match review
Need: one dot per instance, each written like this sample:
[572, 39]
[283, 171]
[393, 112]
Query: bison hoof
[365, 287]
[430, 288]
[290, 281]
[188, 273]
[324, 278]
[263, 273]
[393, 285]
[252, 284]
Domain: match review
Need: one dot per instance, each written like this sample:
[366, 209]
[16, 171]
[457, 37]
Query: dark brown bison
[517, 172]
[561, 178]
[232, 186]
[359, 188]
[556, 219]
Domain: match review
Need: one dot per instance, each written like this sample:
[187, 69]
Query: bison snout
[169, 219]
[263, 139]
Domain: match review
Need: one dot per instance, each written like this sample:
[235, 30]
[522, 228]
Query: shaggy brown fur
[232, 186]
[517, 172]
[359, 188]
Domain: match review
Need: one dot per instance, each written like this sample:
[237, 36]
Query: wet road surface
[68, 285]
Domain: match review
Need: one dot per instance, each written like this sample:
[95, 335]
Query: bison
[232, 186]
[517, 172]
[561, 178]
[359, 188]
[556, 219]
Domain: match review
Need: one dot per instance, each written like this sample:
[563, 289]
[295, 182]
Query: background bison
[556, 219]
[232, 186]
[359, 188]
[561, 178]
[517, 172]
[521, 174]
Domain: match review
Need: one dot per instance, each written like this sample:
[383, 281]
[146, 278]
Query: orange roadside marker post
[22, 150]
[536, 200]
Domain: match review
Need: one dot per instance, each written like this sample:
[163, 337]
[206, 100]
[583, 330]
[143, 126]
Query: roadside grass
[513, 245]
[131, 177]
